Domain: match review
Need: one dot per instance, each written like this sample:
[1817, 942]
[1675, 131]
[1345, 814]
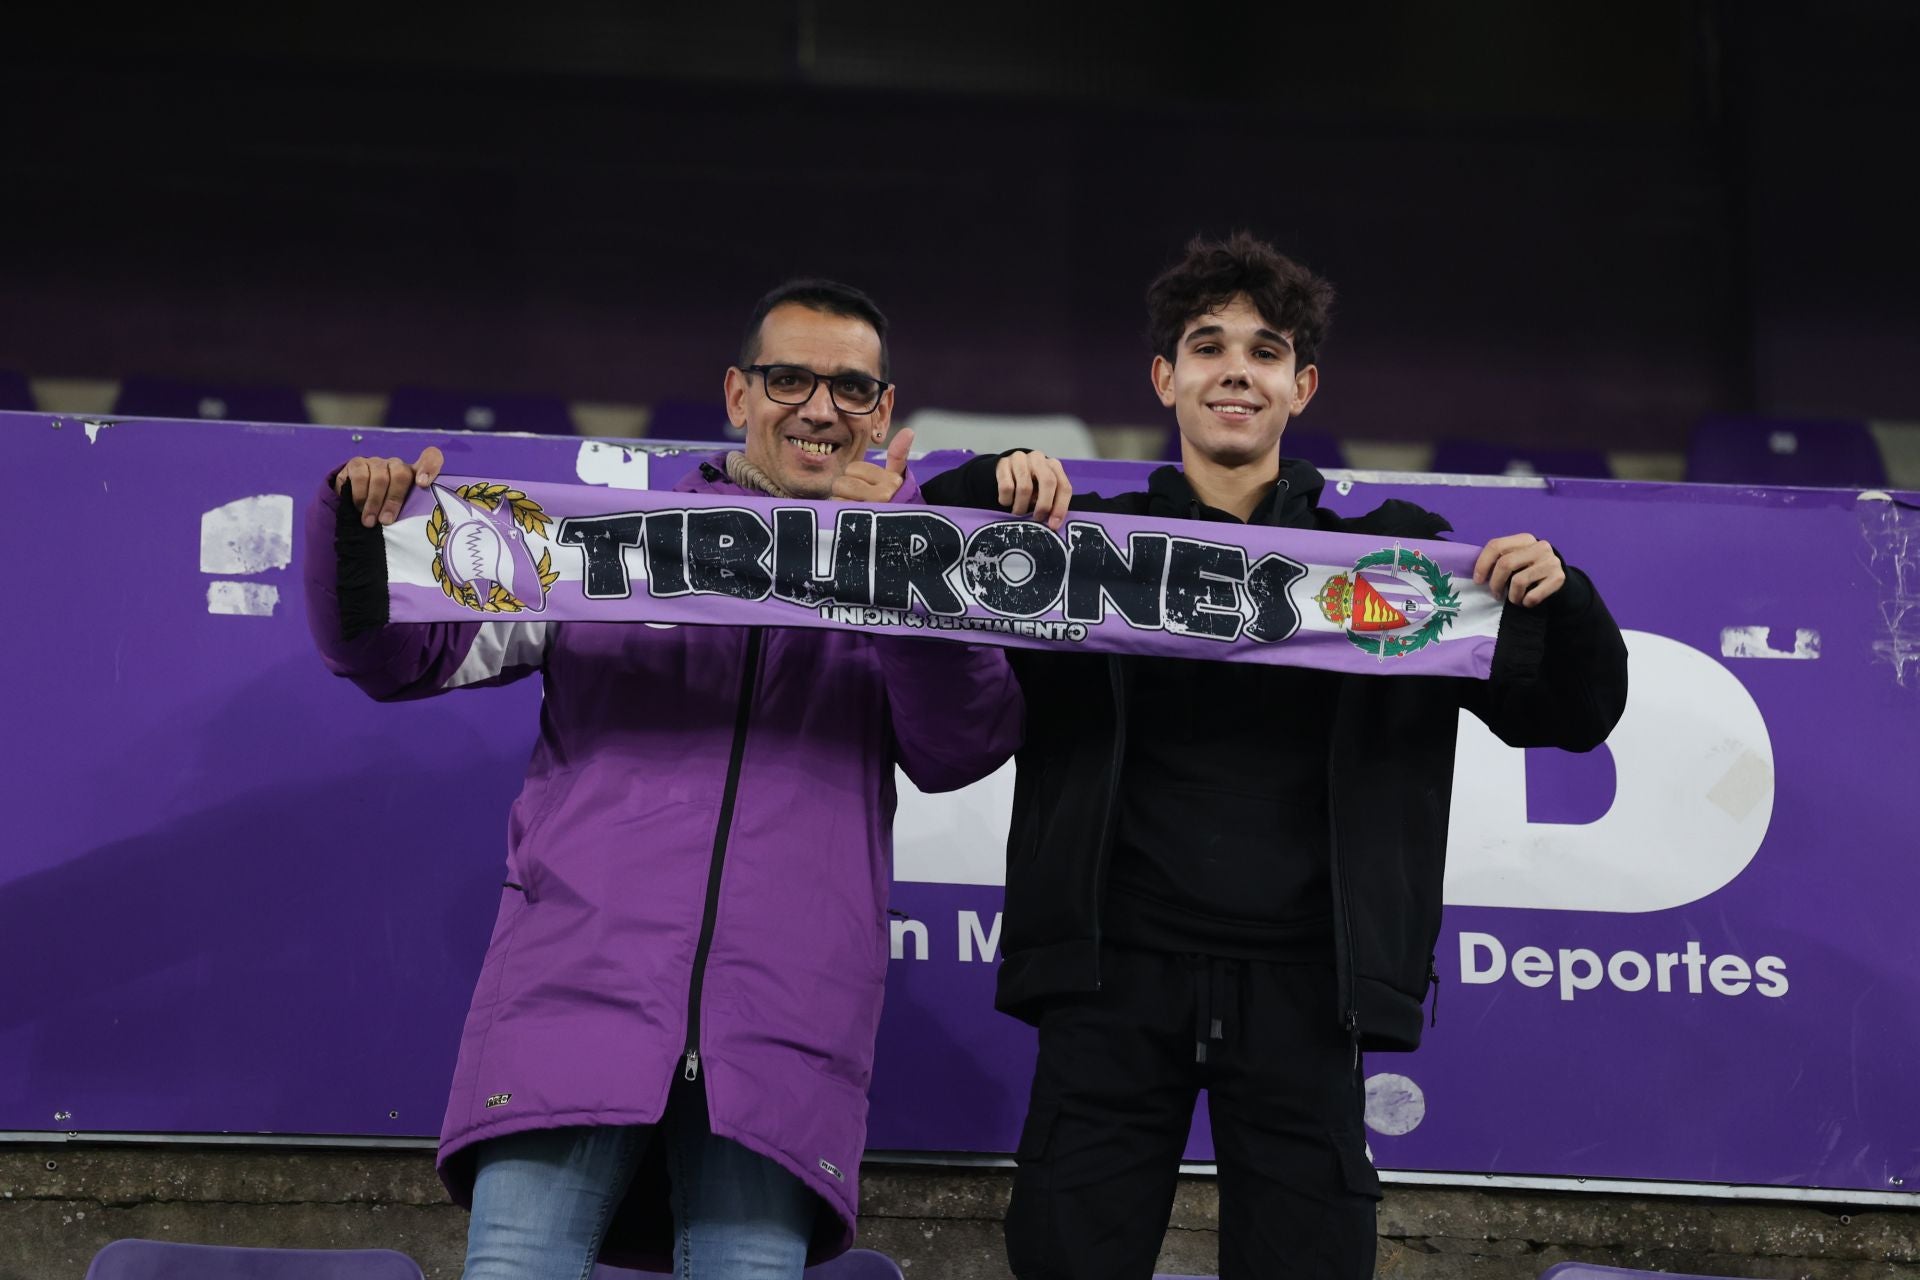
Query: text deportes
[1484, 960]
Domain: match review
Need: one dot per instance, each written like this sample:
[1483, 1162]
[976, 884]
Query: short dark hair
[829, 296]
[1214, 272]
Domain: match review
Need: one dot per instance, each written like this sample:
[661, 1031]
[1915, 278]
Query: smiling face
[1232, 386]
[804, 447]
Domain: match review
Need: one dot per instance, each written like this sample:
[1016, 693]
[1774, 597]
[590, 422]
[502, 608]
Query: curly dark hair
[828, 296]
[1288, 296]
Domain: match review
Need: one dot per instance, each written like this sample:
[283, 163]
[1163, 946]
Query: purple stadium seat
[701, 421]
[934, 461]
[425, 409]
[1060, 434]
[1472, 458]
[1109, 476]
[1727, 449]
[14, 391]
[855, 1264]
[165, 1260]
[1104, 476]
[1594, 1271]
[143, 397]
[1320, 450]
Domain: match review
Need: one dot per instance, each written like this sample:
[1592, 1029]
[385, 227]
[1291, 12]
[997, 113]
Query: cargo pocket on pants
[1356, 1171]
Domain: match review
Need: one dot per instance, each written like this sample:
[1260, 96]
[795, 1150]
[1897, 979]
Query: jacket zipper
[742, 713]
[1433, 988]
[1342, 917]
[1117, 766]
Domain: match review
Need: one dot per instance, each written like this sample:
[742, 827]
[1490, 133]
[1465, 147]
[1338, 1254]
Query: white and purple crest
[1406, 596]
[484, 547]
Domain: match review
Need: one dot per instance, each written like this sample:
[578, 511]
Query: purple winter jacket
[586, 1005]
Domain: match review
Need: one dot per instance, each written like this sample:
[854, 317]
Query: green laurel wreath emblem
[1446, 604]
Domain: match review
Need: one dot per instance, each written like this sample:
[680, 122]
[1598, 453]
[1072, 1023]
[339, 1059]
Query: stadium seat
[1060, 434]
[699, 421]
[1109, 476]
[1320, 450]
[855, 1264]
[1104, 476]
[1727, 449]
[166, 1260]
[144, 397]
[425, 409]
[1309, 446]
[1472, 458]
[14, 392]
[1594, 1271]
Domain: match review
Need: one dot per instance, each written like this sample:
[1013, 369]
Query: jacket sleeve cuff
[971, 484]
[1522, 647]
[1574, 598]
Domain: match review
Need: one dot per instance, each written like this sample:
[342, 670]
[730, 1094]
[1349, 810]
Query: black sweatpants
[1113, 1096]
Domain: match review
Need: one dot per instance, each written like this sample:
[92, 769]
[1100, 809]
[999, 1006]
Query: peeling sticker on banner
[1395, 1104]
[612, 465]
[1892, 532]
[248, 535]
[1757, 642]
[1741, 787]
[242, 599]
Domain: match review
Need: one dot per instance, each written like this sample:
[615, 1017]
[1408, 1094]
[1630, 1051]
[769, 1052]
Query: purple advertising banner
[1685, 957]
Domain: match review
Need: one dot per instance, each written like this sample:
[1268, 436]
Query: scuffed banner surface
[470, 548]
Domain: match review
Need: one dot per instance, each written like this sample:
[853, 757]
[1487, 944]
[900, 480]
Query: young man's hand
[380, 485]
[1520, 568]
[1033, 482]
[864, 482]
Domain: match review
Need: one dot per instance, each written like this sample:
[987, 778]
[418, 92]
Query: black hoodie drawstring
[1216, 995]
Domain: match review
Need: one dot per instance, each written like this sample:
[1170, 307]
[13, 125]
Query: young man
[670, 1042]
[1227, 876]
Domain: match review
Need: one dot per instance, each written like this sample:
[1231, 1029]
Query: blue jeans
[542, 1201]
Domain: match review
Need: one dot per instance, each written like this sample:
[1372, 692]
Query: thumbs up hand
[864, 482]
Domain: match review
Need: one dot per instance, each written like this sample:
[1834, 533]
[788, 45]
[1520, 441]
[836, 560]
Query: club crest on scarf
[482, 557]
[1393, 602]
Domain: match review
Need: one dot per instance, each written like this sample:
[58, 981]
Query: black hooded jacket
[1559, 680]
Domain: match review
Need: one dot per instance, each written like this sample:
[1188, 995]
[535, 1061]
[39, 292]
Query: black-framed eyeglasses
[793, 384]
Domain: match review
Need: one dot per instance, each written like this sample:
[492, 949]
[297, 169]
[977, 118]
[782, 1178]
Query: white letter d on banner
[1693, 795]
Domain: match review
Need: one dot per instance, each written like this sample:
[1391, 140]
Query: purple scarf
[474, 549]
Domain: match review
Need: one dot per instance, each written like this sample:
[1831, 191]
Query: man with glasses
[669, 1046]
[821, 399]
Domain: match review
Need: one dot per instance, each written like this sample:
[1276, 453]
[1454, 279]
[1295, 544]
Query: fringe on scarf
[361, 554]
